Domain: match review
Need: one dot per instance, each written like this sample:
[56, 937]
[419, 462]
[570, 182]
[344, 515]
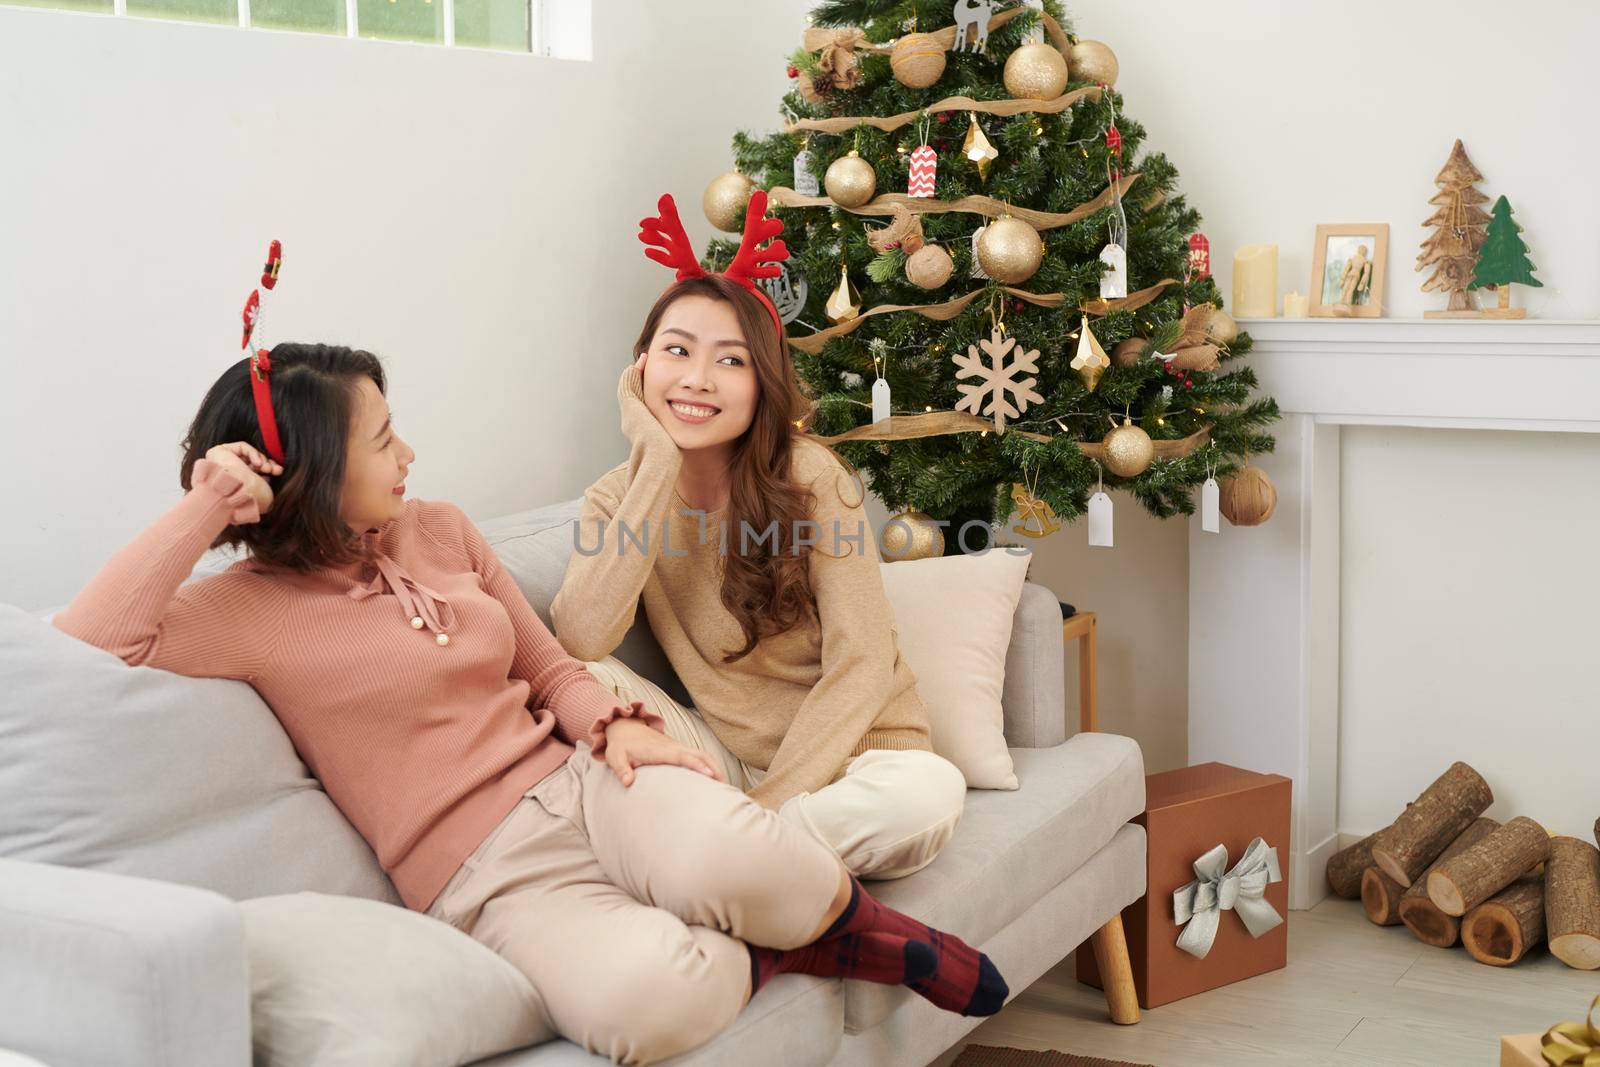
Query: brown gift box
[1521, 1050]
[1187, 813]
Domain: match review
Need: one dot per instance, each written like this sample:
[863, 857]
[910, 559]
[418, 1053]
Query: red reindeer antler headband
[669, 245]
[261, 358]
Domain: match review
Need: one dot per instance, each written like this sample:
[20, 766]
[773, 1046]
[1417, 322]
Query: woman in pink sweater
[503, 789]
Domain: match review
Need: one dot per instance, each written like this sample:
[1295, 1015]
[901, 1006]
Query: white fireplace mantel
[1264, 602]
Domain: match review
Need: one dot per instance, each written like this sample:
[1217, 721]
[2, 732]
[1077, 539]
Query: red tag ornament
[924, 168]
[1199, 257]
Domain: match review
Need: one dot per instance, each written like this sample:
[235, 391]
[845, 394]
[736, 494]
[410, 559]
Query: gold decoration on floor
[910, 535]
[1091, 360]
[725, 199]
[850, 180]
[1010, 250]
[1128, 451]
[845, 303]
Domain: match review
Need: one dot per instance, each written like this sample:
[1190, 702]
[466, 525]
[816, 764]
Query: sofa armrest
[1035, 697]
[102, 968]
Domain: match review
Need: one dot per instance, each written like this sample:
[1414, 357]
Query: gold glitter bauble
[910, 535]
[929, 267]
[1092, 61]
[1128, 451]
[917, 60]
[725, 200]
[850, 180]
[1010, 250]
[1221, 328]
[1036, 72]
[1248, 498]
[1127, 353]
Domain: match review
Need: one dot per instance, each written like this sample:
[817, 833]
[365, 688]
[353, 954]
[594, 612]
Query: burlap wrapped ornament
[1248, 498]
[836, 54]
[1222, 329]
[808, 88]
[929, 267]
[1010, 250]
[850, 180]
[725, 199]
[1129, 352]
[1128, 451]
[1092, 61]
[904, 233]
[1036, 72]
[917, 60]
[910, 535]
[1196, 358]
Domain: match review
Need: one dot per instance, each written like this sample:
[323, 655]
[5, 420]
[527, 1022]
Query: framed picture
[1347, 270]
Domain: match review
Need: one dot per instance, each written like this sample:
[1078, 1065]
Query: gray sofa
[121, 859]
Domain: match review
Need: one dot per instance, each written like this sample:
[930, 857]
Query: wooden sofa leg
[1116, 972]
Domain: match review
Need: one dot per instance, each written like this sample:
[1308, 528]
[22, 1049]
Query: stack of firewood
[1448, 873]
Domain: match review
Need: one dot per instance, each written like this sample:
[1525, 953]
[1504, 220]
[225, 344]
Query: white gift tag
[880, 400]
[805, 183]
[1100, 521]
[977, 268]
[1210, 507]
[1114, 282]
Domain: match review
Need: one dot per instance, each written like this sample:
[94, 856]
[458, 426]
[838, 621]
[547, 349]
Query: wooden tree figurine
[1503, 260]
[1459, 232]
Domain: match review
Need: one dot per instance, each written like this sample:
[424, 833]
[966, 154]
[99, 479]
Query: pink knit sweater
[424, 693]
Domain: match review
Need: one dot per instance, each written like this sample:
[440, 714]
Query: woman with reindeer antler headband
[748, 545]
[503, 789]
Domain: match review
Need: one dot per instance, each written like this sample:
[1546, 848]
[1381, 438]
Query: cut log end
[1445, 895]
[1500, 931]
[1579, 951]
[1390, 865]
[1380, 897]
[1572, 902]
[1427, 923]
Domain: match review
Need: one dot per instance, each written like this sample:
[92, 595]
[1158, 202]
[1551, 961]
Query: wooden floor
[1353, 993]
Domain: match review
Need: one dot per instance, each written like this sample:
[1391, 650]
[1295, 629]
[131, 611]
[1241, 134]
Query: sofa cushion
[338, 982]
[1014, 847]
[144, 772]
[535, 547]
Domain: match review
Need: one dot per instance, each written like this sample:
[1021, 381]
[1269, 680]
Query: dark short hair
[314, 390]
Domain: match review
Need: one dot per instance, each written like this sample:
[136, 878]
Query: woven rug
[987, 1056]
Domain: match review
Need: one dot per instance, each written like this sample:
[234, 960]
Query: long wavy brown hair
[767, 588]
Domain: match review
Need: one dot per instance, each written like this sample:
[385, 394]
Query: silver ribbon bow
[1200, 904]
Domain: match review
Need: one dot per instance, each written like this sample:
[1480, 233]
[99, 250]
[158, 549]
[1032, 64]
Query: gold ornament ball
[725, 200]
[1128, 352]
[850, 180]
[1092, 61]
[929, 267]
[1248, 498]
[917, 60]
[1128, 451]
[1036, 72]
[1010, 250]
[910, 535]
[1222, 328]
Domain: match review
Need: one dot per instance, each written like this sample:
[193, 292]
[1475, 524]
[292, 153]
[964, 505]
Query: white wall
[1470, 587]
[470, 216]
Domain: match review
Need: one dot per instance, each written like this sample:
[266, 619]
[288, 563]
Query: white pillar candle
[1255, 281]
[1296, 306]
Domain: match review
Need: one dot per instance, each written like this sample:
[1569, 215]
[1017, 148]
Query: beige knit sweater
[804, 701]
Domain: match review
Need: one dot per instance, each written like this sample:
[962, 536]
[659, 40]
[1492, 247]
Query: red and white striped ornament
[924, 169]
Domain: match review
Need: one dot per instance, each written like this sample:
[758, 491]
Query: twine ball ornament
[1128, 352]
[1248, 498]
[850, 180]
[910, 535]
[1222, 329]
[917, 60]
[725, 199]
[1092, 61]
[929, 267]
[1128, 451]
[1010, 250]
[1036, 72]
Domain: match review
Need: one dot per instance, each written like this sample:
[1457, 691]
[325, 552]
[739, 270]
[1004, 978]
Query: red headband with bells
[669, 245]
[261, 358]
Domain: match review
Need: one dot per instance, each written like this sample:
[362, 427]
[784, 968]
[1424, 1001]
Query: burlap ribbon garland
[890, 123]
[941, 423]
[1573, 1044]
[783, 196]
[1198, 906]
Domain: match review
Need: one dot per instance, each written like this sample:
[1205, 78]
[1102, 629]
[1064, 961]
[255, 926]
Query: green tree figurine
[1502, 261]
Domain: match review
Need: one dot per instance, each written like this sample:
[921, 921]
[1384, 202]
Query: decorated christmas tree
[997, 298]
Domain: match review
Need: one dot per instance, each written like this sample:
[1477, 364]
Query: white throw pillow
[953, 617]
[345, 982]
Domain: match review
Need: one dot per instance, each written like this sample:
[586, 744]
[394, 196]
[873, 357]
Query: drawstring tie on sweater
[421, 605]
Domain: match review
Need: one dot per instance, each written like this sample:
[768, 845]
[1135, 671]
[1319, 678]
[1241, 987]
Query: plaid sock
[870, 957]
[964, 980]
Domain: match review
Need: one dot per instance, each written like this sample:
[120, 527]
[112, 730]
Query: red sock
[870, 957]
[964, 980]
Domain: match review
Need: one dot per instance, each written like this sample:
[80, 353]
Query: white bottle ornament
[805, 182]
[1114, 282]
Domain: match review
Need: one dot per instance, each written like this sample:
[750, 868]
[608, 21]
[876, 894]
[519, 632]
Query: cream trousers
[888, 814]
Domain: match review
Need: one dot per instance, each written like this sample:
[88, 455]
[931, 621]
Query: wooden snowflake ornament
[997, 379]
